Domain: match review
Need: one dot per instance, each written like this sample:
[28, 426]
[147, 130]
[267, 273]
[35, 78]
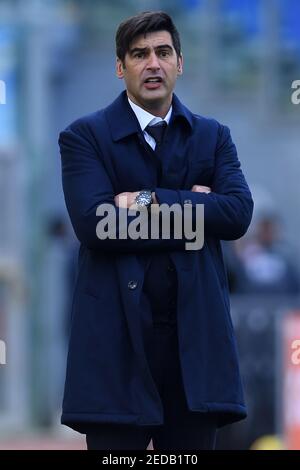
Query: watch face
[144, 198]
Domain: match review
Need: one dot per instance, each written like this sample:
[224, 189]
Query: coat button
[187, 201]
[170, 268]
[132, 285]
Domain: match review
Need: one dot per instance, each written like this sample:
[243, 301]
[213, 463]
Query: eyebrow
[144, 49]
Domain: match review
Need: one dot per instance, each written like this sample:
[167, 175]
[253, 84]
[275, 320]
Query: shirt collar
[123, 121]
[145, 118]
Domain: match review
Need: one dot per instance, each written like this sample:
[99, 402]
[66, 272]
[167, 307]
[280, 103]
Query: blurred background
[57, 62]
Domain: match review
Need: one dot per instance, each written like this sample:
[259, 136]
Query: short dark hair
[143, 23]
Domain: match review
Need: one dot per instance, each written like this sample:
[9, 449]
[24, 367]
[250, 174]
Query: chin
[154, 97]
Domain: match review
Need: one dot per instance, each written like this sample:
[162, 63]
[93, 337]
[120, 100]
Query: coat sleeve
[86, 186]
[228, 208]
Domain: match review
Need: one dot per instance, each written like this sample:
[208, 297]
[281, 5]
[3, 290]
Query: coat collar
[123, 122]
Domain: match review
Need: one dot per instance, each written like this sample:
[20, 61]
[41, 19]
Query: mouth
[152, 83]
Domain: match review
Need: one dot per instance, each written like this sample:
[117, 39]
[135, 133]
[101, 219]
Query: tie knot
[157, 131]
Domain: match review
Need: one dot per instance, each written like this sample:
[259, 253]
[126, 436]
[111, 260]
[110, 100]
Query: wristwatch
[144, 198]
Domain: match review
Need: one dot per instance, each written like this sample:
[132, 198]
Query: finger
[201, 189]
[205, 189]
[121, 200]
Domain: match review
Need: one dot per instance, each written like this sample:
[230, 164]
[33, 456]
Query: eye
[164, 53]
[139, 55]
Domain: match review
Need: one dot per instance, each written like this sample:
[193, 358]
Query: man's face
[150, 70]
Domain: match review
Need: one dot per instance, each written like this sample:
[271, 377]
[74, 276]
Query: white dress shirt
[146, 119]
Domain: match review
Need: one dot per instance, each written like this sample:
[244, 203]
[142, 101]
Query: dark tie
[157, 132]
[159, 282]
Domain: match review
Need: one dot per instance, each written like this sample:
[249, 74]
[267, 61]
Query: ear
[180, 65]
[119, 68]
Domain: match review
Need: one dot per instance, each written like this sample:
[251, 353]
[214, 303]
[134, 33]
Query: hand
[155, 201]
[201, 189]
[125, 200]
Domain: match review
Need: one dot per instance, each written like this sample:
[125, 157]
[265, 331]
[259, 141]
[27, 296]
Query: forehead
[153, 39]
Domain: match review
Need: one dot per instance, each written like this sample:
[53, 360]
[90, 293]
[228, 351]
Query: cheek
[171, 76]
[171, 71]
[134, 76]
[130, 79]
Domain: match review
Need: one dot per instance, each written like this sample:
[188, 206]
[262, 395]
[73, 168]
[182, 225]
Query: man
[152, 352]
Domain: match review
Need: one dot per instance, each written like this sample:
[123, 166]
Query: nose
[153, 62]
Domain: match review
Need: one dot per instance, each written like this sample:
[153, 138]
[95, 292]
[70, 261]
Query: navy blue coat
[108, 377]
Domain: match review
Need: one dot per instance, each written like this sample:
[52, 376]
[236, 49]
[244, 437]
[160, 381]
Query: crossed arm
[127, 199]
[228, 203]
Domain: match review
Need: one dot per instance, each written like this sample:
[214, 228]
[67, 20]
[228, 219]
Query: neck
[157, 108]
